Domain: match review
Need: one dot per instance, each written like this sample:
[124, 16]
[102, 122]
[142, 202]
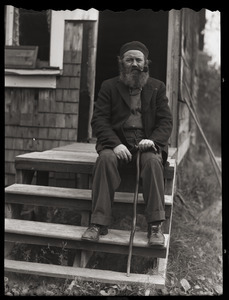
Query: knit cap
[134, 45]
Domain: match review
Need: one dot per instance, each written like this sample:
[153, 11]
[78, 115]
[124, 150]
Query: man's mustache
[145, 69]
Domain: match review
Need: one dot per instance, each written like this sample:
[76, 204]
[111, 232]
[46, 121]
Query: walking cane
[134, 213]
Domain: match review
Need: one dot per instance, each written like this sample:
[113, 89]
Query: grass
[195, 257]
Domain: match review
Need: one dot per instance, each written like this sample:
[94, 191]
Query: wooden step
[116, 241]
[79, 199]
[67, 161]
[85, 274]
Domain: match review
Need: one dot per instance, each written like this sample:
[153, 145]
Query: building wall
[190, 24]
[41, 119]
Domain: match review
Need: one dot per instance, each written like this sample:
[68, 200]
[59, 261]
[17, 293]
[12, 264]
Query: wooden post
[173, 70]
[13, 211]
[87, 80]
[24, 176]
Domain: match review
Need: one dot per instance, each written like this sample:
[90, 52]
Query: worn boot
[155, 235]
[94, 231]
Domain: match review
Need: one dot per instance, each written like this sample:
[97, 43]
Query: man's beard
[133, 79]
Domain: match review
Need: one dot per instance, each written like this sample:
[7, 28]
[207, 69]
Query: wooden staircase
[52, 234]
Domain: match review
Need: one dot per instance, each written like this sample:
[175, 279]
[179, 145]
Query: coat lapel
[147, 93]
[124, 92]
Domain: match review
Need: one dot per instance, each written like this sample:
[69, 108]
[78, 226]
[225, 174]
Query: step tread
[71, 193]
[86, 274]
[74, 157]
[68, 161]
[72, 232]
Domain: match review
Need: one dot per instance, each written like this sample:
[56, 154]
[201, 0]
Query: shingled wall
[40, 119]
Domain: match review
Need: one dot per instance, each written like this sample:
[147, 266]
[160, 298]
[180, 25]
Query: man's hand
[145, 145]
[122, 152]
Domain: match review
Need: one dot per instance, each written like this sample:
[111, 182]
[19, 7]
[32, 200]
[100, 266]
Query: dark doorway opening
[117, 28]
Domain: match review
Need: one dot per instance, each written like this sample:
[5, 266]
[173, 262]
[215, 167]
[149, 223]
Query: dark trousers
[106, 180]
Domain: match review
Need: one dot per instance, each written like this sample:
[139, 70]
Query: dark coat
[112, 109]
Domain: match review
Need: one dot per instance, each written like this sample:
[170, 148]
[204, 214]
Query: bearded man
[131, 114]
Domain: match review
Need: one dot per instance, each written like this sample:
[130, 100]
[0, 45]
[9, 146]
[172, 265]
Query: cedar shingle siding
[41, 119]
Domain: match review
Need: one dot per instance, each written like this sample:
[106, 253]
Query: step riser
[84, 245]
[78, 204]
[91, 275]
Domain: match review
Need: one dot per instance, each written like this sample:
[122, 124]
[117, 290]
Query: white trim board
[36, 81]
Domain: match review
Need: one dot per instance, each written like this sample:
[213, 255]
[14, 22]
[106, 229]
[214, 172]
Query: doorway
[118, 28]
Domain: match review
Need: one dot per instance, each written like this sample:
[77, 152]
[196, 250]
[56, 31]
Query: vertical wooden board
[184, 143]
[188, 67]
[86, 82]
[24, 105]
[173, 69]
[7, 100]
[92, 46]
[15, 100]
[183, 111]
[9, 179]
[73, 42]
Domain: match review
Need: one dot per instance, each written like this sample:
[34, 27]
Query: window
[34, 30]
[26, 27]
[44, 29]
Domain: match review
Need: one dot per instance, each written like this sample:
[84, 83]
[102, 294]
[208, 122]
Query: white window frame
[9, 25]
[58, 19]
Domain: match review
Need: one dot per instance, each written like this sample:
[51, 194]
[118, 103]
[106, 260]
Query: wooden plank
[73, 39]
[77, 147]
[90, 147]
[173, 64]
[60, 161]
[116, 241]
[183, 148]
[11, 211]
[163, 262]
[36, 81]
[32, 72]
[79, 199]
[34, 192]
[52, 161]
[20, 56]
[93, 275]
[87, 82]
